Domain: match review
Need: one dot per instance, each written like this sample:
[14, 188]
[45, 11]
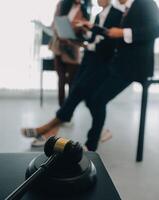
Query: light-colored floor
[134, 181]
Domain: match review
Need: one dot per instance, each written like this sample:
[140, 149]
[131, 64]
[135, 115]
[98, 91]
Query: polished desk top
[12, 174]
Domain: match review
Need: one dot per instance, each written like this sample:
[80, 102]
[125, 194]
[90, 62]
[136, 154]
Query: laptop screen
[64, 28]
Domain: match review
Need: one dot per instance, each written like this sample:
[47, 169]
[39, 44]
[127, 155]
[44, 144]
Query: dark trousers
[110, 88]
[97, 88]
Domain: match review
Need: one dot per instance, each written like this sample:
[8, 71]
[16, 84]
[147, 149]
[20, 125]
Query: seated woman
[67, 54]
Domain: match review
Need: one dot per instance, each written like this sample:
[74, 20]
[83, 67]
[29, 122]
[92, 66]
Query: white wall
[18, 70]
[16, 40]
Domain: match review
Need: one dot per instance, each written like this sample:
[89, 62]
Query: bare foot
[43, 130]
[106, 135]
[52, 132]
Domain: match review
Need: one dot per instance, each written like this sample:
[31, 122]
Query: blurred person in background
[67, 53]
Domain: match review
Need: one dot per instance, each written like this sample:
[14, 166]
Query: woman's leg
[84, 84]
[64, 114]
[79, 90]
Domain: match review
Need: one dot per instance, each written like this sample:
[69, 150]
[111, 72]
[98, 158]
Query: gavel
[55, 149]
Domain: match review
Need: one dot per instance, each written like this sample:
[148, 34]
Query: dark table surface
[12, 174]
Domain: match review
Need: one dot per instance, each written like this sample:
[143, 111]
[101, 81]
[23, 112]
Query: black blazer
[105, 48]
[136, 61]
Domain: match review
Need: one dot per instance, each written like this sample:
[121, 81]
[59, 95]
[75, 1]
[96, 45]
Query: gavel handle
[24, 187]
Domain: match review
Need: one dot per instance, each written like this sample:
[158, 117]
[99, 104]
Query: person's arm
[149, 30]
[115, 33]
[134, 34]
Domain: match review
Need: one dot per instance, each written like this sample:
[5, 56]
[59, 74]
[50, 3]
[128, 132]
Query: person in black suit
[92, 72]
[99, 52]
[133, 59]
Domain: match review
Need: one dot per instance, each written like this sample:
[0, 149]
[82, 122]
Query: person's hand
[83, 23]
[115, 33]
[88, 24]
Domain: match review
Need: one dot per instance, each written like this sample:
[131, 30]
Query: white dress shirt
[127, 31]
[102, 17]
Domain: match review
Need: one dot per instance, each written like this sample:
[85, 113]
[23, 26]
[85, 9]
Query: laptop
[64, 28]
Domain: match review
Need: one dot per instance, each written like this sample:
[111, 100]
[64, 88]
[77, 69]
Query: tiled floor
[134, 181]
